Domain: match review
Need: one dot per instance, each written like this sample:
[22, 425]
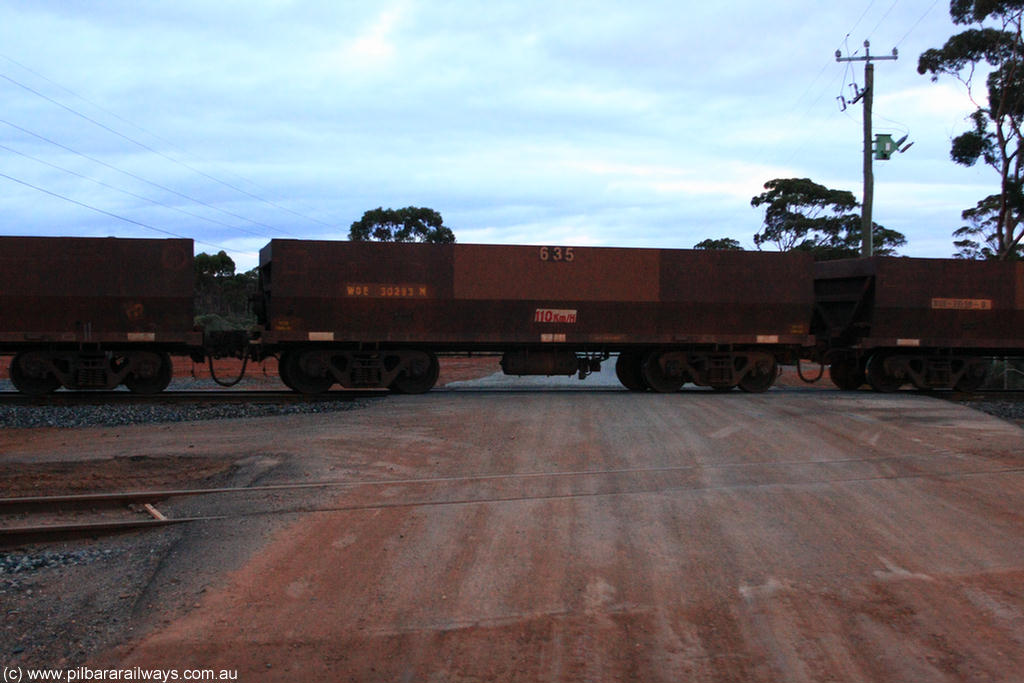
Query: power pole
[867, 94]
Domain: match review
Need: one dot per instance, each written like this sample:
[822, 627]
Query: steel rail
[161, 494]
[20, 533]
[15, 535]
[191, 396]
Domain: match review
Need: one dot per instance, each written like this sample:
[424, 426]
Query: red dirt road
[579, 536]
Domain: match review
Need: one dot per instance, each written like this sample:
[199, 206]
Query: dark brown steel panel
[751, 295]
[913, 283]
[1020, 286]
[95, 289]
[325, 269]
[466, 295]
[736, 277]
[929, 302]
[549, 273]
[941, 299]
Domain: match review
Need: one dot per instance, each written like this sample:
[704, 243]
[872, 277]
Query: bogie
[629, 370]
[663, 372]
[305, 372]
[141, 371]
[883, 374]
[31, 374]
[149, 372]
[314, 371]
[418, 375]
[847, 373]
[760, 376]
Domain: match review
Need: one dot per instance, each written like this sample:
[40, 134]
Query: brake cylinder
[539, 363]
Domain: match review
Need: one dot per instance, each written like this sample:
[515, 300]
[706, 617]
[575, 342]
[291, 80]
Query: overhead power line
[117, 216]
[163, 155]
[884, 17]
[135, 176]
[917, 23]
[129, 193]
[135, 125]
[862, 15]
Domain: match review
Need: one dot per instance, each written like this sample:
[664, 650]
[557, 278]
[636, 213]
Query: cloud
[709, 178]
[599, 123]
[935, 106]
[373, 49]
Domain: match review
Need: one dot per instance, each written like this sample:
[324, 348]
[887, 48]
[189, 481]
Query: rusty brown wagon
[95, 313]
[931, 323]
[364, 314]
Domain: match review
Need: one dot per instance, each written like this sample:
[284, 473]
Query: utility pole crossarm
[868, 57]
[869, 180]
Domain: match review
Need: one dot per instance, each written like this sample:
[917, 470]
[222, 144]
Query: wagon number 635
[557, 254]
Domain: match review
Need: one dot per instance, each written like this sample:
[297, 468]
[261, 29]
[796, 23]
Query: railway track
[986, 395]
[55, 518]
[74, 398]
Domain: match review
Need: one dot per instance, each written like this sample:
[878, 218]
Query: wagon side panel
[96, 290]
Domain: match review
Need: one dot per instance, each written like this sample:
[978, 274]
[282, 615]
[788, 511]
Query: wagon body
[929, 303]
[376, 314]
[72, 291]
[95, 313]
[470, 297]
[933, 323]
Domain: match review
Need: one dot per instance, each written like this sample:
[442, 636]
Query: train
[99, 313]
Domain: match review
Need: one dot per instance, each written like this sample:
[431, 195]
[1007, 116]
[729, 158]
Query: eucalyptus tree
[991, 44]
[411, 224]
[803, 215]
[720, 244]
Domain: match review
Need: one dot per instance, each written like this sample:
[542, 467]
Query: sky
[601, 123]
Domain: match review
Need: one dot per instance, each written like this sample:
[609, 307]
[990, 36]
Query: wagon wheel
[917, 370]
[282, 369]
[629, 371]
[29, 374]
[151, 372]
[419, 376]
[760, 377]
[656, 378]
[973, 377]
[302, 379]
[879, 378]
[847, 374]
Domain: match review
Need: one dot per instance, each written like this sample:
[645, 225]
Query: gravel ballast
[122, 413]
[1008, 410]
[125, 413]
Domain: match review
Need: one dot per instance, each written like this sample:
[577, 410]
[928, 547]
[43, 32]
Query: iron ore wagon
[95, 313]
[928, 322]
[366, 314]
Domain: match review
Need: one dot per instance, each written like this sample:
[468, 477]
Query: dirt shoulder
[65, 602]
[563, 535]
[577, 536]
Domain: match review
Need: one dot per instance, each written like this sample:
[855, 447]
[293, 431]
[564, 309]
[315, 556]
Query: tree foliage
[411, 224]
[722, 243]
[222, 295]
[977, 239]
[995, 136]
[214, 265]
[802, 215]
